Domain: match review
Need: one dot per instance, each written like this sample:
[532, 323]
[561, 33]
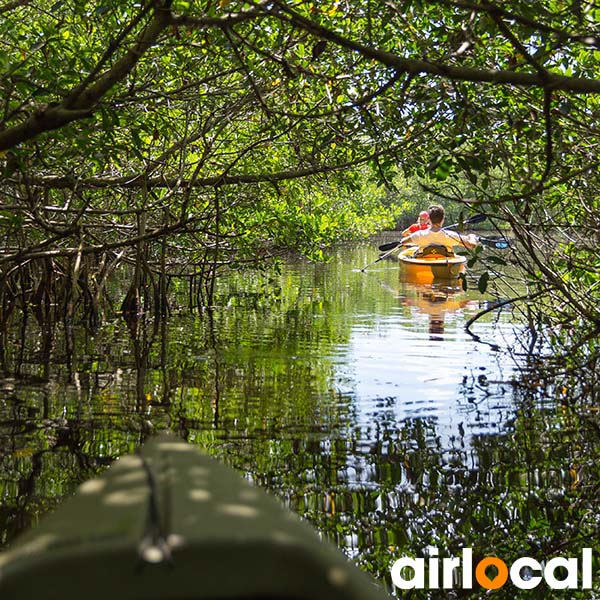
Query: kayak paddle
[478, 218]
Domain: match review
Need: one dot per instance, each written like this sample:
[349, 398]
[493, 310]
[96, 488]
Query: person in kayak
[436, 236]
[422, 224]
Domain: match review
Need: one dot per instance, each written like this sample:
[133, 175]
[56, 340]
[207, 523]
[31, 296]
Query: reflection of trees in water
[44, 454]
[523, 492]
[379, 490]
[254, 388]
[58, 423]
[70, 402]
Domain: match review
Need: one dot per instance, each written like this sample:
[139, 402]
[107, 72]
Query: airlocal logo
[492, 572]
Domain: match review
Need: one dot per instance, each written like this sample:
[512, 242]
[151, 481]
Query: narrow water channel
[356, 397]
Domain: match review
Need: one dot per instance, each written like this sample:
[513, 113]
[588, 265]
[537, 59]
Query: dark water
[356, 397]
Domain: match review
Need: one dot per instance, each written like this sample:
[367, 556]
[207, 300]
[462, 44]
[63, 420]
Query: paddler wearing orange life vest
[422, 224]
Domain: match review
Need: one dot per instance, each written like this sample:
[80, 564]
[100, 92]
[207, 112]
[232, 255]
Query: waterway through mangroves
[356, 397]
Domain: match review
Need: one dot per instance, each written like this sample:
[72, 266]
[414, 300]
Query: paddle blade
[478, 218]
[498, 243]
[389, 246]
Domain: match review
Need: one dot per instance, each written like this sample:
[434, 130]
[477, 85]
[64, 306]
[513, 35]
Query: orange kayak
[431, 265]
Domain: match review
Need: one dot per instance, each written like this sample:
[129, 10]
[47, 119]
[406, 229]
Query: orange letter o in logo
[484, 580]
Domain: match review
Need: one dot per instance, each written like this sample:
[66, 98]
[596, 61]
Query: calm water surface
[356, 397]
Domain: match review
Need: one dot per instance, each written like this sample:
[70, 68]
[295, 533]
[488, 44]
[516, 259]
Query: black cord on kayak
[154, 547]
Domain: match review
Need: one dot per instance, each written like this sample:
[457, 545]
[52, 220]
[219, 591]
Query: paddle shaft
[380, 258]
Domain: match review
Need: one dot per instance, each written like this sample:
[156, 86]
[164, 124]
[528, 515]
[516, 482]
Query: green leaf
[441, 167]
[483, 282]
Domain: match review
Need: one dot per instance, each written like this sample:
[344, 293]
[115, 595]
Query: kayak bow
[171, 523]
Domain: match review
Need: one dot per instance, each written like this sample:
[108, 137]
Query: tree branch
[417, 67]
[83, 103]
[12, 5]
[139, 181]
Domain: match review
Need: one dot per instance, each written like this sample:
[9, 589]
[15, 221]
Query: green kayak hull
[173, 523]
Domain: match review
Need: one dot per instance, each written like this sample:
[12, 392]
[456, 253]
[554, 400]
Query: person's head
[436, 214]
[423, 217]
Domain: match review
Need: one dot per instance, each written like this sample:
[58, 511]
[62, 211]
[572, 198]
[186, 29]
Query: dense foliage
[183, 136]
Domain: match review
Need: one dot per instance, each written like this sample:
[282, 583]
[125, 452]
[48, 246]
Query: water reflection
[358, 398]
[438, 301]
[417, 362]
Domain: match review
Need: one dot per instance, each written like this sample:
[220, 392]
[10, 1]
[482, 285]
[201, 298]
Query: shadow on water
[356, 397]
